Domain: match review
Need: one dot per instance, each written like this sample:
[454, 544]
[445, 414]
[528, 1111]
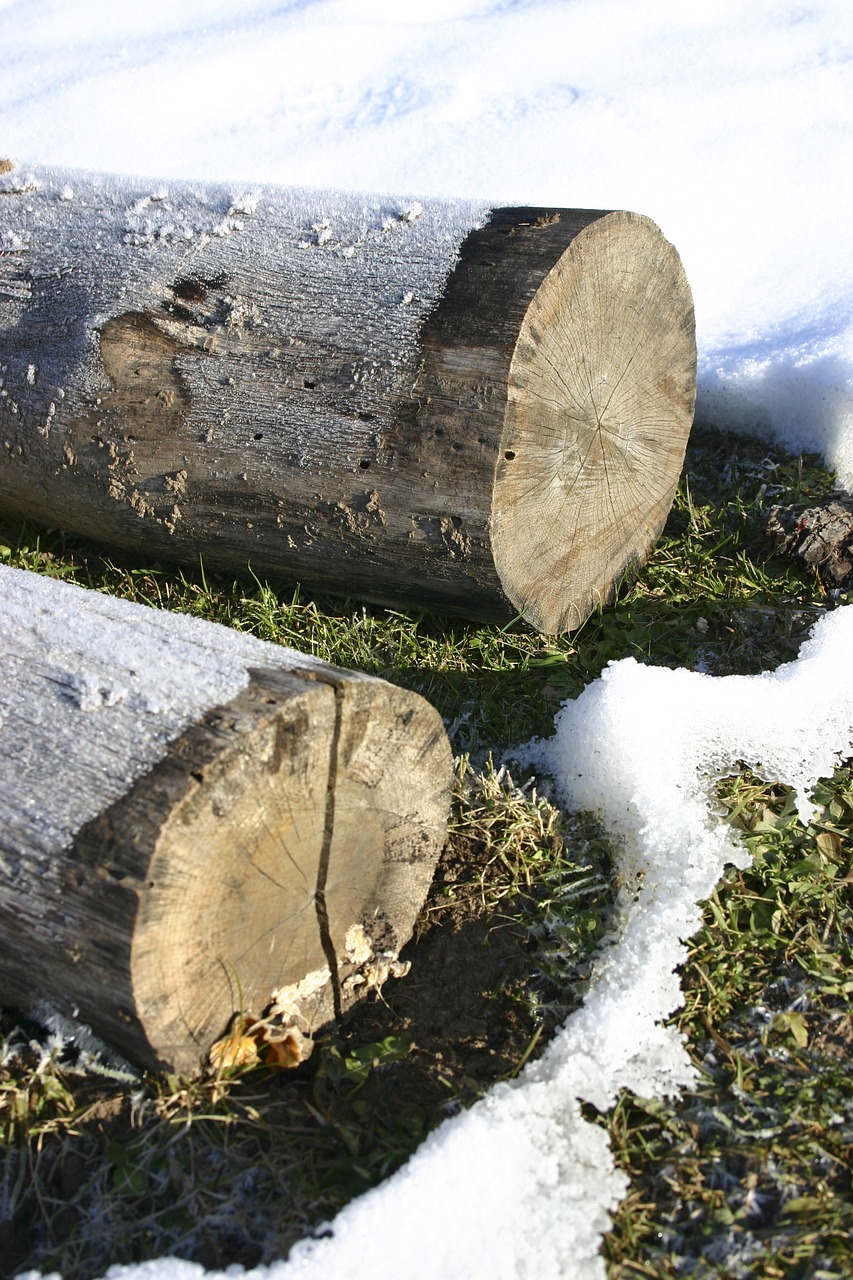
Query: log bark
[195, 823]
[819, 535]
[420, 403]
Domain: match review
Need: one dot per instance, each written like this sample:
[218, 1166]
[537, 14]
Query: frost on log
[195, 823]
[424, 404]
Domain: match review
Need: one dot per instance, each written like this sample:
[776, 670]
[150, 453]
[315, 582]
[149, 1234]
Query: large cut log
[196, 824]
[425, 404]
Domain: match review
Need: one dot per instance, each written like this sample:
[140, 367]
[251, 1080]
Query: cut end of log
[289, 841]
[227, 910]
[600, 403]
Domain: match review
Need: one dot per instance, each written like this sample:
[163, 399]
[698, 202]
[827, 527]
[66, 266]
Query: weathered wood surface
[424, 404]
[195, 823]
[820, 535]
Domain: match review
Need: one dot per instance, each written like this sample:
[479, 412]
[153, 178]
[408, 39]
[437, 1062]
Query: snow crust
[643, 747]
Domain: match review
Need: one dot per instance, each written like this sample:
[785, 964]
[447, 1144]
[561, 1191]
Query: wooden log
[195, 823]
[421, 403]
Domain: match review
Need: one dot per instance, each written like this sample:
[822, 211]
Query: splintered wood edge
[227, 910]
[392, 799]
[293, 868]
[600, 404]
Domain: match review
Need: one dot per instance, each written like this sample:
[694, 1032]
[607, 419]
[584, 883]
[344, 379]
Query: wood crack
[320, 904]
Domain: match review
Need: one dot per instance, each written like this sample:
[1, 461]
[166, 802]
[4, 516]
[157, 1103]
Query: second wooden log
[427, 404]
[195, 824]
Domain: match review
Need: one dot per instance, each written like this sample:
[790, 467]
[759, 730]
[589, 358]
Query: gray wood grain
[336, 389]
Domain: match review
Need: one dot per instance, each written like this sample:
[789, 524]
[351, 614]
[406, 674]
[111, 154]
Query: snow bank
[799, 395]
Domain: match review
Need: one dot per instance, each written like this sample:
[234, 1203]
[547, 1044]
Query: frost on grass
[522, 1184]
[72, 1043]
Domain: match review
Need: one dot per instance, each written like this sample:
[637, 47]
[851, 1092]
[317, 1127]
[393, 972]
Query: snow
[730, 124]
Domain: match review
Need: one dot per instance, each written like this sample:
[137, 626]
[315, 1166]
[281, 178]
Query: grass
[747, 1175]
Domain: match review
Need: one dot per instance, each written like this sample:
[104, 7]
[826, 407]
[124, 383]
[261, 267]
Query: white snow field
[730, 123]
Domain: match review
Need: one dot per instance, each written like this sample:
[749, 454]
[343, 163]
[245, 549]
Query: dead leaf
[238, 1049]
